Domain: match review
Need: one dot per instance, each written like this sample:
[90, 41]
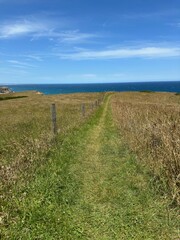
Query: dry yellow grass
[150, 125]
[25, 127]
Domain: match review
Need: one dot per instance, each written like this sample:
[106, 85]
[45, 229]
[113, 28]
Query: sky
[89, 41]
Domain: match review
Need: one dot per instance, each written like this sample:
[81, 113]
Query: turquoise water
[99, 87]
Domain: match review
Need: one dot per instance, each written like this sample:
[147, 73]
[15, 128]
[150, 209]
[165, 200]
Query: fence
[93, 105]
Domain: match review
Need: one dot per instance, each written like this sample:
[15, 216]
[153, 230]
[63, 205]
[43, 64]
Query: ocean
[173, 86]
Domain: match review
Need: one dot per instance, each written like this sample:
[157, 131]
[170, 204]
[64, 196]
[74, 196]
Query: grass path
[115, 201]
[92, 188]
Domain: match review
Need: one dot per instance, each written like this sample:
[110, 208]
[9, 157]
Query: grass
[89, 187]
[8, 98]
[147, 91]
[150, 125]
[85, 183]
[26, 135]
[27, 122]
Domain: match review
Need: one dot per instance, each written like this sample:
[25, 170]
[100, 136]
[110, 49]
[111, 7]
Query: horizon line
[149, 81]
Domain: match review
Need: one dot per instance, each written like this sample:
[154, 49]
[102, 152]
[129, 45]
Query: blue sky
[83, 41]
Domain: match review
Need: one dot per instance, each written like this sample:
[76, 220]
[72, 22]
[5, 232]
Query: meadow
[26, 127]
[112, 173]
[26, 134]
[150, 125]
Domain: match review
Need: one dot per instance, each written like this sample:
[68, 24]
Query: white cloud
[144, 52]
[69, 37]
[19, 64]
[75, 36]
[22, 28]
[34, 57]
[40, 27]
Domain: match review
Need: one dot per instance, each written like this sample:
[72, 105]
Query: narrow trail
[92, 167]
[93, 171]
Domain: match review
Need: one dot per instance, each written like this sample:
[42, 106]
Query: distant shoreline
[5, 90]
[48, 89]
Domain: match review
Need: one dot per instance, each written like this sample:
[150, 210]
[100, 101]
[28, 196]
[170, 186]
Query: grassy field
[26, 132]
[85, 183]
[26, 122]
[150, 125]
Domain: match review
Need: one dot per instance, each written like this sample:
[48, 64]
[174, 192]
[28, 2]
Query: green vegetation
[8, 98]
[150, 126]
[146, 91]
[85, 183]
[26, 133]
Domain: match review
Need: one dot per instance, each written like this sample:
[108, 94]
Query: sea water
[173, 86]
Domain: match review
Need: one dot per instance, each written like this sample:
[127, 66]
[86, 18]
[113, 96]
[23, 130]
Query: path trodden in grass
[92, 188]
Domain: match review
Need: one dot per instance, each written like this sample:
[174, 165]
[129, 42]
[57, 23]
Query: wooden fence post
[53, 117]
[92, 106]
[83, 109]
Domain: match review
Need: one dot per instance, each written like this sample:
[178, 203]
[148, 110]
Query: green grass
[26, 140]
[26, 123]
[146, 91]
[9, 98]
[89, 187]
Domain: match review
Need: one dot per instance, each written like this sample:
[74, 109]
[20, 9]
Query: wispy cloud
[20, 64]
[69, 37]
[39, 27]
[34, 57]
[145, 52]
[22, 28]
[75, 36]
